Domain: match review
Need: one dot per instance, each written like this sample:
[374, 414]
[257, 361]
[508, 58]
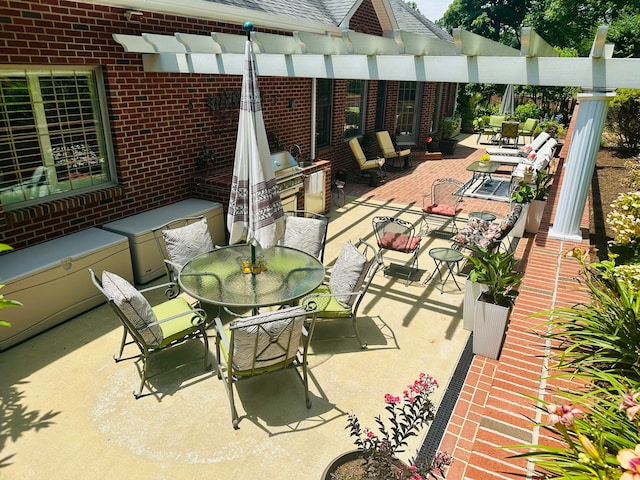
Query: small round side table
[444, 257]
[488, 216]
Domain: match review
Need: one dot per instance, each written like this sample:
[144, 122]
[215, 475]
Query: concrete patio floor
[70, 412]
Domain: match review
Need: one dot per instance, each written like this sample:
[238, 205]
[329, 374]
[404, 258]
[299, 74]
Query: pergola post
[580, 165]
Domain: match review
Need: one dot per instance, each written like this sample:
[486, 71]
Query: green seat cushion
[177, 327]
[330, 308]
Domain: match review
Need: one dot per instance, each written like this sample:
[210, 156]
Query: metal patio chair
[306, 231]
[442, 204]
[350, 278]
[263, 344]
[151, 329]
[179, 241]
[397, 235]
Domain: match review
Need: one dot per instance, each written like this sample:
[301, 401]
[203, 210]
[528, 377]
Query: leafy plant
[451, 126]
[527, 110]
[523, 193]
[623, 118]
[4, 303]
[406, 417]
[496, 270]
[542, 186]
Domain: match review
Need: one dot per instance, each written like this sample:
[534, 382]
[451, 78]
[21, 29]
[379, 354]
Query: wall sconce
[292, 104]
[131, 14]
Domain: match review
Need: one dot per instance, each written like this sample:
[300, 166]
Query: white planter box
[472, 291]
[489, 328]
[518, 228]
[534, 215]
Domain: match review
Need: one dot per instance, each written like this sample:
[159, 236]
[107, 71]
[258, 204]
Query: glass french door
[408, 112]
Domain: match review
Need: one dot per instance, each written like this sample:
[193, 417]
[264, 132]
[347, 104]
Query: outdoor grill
[289, 178]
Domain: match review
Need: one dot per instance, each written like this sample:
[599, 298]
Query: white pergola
[404, 56]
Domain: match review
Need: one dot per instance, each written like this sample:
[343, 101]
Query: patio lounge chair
[263, 344]
[179, 241]
[443, 203]
[372, 168]
[390, 152]
[349, 281]
[523, 151]
[397, 235]
[151, 329]
[306, 231]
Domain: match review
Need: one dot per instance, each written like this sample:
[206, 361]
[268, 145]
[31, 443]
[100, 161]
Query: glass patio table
[218, 277]
[482, 170]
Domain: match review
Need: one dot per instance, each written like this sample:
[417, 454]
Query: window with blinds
[53, 138]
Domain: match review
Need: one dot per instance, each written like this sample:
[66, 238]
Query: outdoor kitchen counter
[222, 177]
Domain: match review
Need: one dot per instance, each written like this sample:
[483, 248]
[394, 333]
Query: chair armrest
[158, 287]
[199, 318]
[220, 332]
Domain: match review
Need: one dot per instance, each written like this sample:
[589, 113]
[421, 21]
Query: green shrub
[527, 110]
[623, 119]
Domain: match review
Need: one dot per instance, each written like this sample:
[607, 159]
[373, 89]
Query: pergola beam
[406, 56]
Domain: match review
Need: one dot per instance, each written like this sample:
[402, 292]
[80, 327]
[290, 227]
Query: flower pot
[433, 147]
[448, 145]
[518, 228]
[534, 215]
[351, 462]
[489, 327]
[472, 291]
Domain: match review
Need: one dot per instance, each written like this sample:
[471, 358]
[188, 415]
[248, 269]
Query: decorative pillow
[346, 273]
[186, 242]
[276, 341]
[134, 306]
[306, 234]
[446, 210]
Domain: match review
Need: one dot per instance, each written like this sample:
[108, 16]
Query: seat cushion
[399, 242]
[134, 306]
[306, 234]
[346, 273]
[439, 209]
[177, 327]
[267, 340]
[184, 243]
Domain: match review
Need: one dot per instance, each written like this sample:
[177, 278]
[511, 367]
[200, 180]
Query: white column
[580, 165]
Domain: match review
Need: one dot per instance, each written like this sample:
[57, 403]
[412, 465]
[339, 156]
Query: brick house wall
[159, 122]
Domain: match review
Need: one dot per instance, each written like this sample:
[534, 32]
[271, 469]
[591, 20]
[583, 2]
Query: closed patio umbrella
[255, 212]
[508, 104]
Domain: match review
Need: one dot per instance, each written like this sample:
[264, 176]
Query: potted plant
[376, 457]
[450, 129]
[538, 203]
[522, 194]
[497, 271]
[432, 144]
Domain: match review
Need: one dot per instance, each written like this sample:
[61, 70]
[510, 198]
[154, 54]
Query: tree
[498, 20]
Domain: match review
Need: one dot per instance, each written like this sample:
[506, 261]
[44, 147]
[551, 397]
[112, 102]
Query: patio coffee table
[448, 258]
[482, 170]
[217, 277]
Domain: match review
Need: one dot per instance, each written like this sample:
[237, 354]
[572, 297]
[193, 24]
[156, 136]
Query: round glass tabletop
[218, 277]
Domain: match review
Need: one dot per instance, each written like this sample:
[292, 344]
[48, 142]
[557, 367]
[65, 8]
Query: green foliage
[596, 343]
[4, 303]
[543, 183]
[623, 119]
[451, 126]
[496, 270]
[523, 193]
[552, 126]
[527, 110]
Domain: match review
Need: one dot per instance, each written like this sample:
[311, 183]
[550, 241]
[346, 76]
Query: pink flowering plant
[594, 426]
[406, 416]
